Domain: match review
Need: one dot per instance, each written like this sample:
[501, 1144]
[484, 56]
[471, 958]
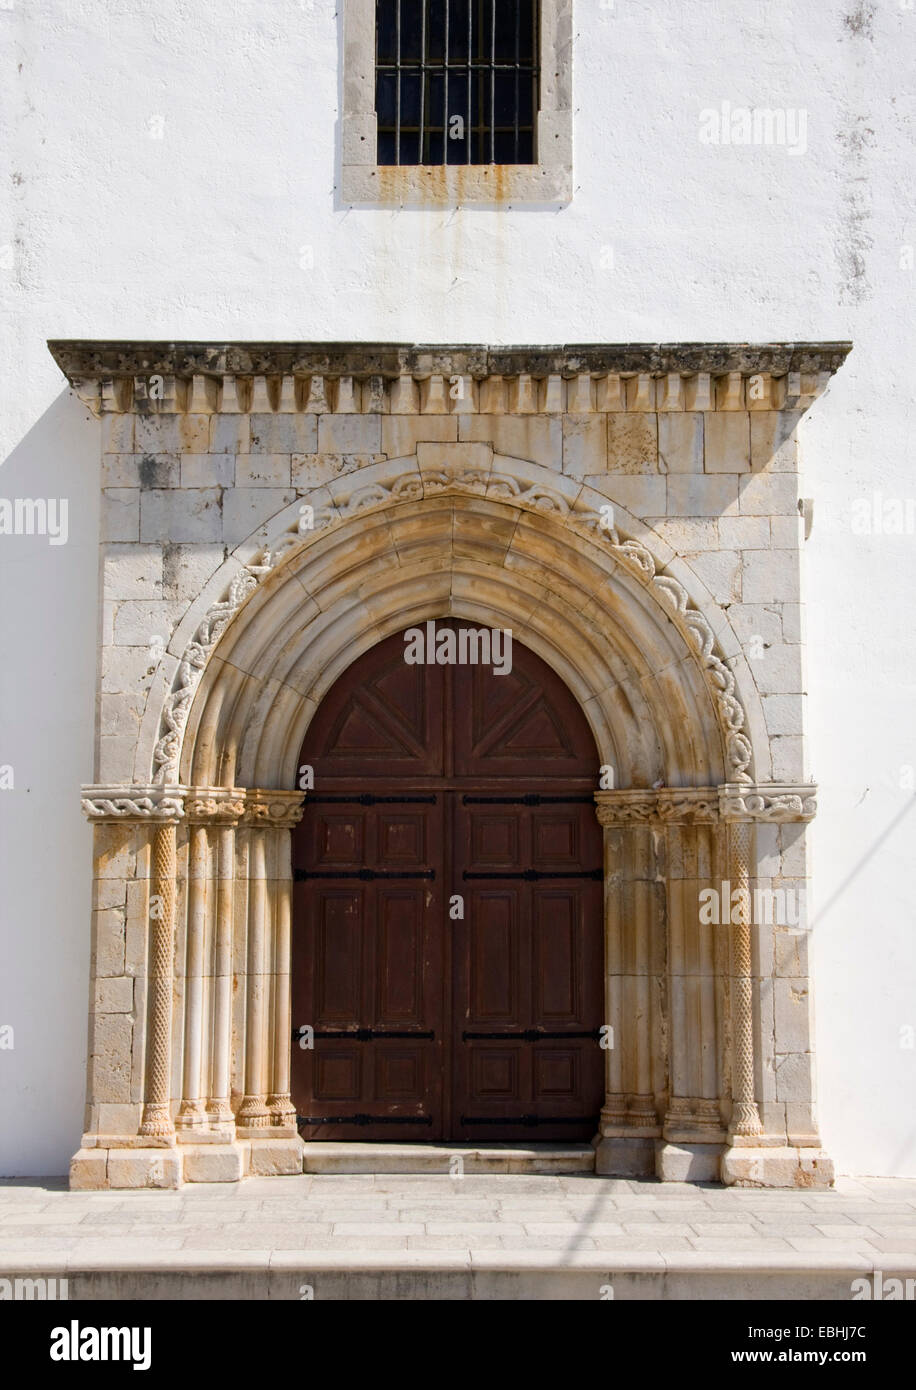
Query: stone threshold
[536, 1159]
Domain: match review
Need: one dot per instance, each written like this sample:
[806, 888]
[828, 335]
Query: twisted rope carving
[745, 1116]
[156, 1117]
[135, 808]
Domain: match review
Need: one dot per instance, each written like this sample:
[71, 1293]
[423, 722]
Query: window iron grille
[456, 81]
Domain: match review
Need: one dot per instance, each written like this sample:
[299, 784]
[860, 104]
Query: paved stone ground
[359, 1213]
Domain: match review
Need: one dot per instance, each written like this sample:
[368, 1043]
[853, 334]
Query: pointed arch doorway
[448, 948]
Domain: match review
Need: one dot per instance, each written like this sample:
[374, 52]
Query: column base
[272, 1155]
[107, 1169]
[746, 1166]
[687, 1162]
[213, 1162]
[625, 1156]
[192, 1115]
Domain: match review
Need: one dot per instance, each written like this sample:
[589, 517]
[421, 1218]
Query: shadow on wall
[48, 629]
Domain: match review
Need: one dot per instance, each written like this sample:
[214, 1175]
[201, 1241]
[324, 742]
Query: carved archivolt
[190, 669]
[631, 554]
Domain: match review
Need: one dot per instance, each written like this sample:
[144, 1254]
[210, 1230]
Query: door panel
[430, 782]
[399, 967]
[487, 957]
[367, 965]
[382, 719]
[542, 962]
[524, 724]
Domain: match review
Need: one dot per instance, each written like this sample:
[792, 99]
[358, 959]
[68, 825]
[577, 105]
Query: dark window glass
[456, 81]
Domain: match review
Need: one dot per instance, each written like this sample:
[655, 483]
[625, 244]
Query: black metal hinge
[529, 1121]
[529, 799]
[363, 1034]
[530, 1035]
[364, 1119]
[535, 875]
[366, 875]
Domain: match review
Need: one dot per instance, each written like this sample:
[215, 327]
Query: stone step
[422, 1276]
[536, 1159]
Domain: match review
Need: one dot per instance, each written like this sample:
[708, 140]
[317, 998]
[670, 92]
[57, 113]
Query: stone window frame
[364, 181]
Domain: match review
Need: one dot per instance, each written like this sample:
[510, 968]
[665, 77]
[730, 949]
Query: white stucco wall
[228, 227]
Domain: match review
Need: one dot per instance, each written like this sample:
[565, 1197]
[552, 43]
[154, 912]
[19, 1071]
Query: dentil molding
[402, 378]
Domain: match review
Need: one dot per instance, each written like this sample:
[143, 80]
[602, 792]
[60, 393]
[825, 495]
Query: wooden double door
[448, 925]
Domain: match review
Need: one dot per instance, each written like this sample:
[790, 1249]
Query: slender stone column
[693, 1131]
[641, 1109]
[192, 1113]
[756, 1155]
[745, 1118]
[218, 1106]
[629, 1123]
[614, 1108]
[279, 1104]
[212, 814]
[253, 1112]
[269, 816]
[157, 1120]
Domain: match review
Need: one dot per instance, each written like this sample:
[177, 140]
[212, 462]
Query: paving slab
[422, 1236]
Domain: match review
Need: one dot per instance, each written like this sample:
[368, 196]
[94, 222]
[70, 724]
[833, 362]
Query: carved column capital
[768, 801]
[140, 804]
[282, 809]
[214, 805]
[666, 805]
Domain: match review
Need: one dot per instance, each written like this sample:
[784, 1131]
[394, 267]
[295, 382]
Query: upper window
[456, 102]
[456, 81]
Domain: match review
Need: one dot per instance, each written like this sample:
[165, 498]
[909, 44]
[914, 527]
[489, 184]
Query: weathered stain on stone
[171, 570]
[154, 472]
[855, 239]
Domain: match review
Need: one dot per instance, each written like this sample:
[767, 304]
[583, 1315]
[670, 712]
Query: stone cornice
[771, 802]
[361, 377]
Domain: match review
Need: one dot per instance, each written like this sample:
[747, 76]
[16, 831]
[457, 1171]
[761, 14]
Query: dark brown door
[448, 930]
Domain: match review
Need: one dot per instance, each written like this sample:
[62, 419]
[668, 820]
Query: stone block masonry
[272, 509]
